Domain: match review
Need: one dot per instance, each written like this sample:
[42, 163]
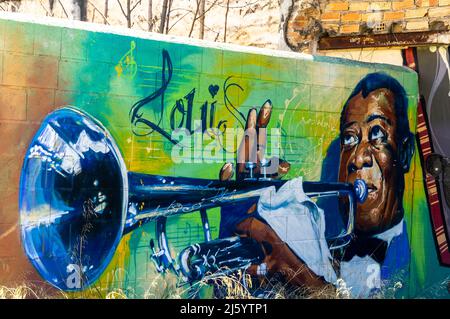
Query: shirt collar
[392, 232]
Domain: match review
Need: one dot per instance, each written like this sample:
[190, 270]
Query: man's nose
[363, 158]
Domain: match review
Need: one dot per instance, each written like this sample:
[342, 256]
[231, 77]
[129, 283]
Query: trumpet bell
[72, 198]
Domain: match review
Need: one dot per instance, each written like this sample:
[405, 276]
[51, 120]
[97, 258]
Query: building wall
[373, 55]
[339, 18]
[107, 74]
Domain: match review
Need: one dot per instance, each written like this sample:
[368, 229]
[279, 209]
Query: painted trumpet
[77, 200]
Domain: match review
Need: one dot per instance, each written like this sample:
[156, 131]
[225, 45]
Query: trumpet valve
[264, 164]
[250, 166]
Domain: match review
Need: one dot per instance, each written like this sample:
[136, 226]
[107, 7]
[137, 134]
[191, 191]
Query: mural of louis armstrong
[376, 145]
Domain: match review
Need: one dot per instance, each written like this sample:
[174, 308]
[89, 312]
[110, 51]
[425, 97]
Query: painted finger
[283, 168]
[264, 114]
[261, 124]
[226, 172]
[251, 119]
[247, 149]
[276, 167]
[250, 137]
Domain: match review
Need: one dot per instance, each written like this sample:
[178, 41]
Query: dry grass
[235, 286]
[28, 291]
[238, 285]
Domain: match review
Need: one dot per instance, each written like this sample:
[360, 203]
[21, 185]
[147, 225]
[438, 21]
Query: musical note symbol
[127, 66]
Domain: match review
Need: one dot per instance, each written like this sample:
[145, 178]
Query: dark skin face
[369, 152]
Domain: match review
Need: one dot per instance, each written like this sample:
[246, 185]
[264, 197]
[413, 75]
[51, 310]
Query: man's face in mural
[369, 152]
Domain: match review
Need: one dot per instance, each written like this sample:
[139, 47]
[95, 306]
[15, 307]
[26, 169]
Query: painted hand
[253, 148]
[279, 258]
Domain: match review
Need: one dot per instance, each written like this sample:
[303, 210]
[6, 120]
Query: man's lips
[371, 188]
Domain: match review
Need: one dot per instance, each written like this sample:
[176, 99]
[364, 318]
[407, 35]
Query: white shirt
[300, 223]
[363, 274]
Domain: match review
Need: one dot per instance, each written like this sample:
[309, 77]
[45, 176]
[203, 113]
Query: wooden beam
[384, 40]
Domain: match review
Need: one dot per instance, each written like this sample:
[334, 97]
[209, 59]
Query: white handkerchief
[300, 223]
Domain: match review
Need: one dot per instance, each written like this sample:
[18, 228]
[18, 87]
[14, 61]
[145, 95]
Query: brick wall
[365, 17]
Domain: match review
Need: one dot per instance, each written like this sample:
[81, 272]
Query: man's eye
[376, 133]
[350, 139]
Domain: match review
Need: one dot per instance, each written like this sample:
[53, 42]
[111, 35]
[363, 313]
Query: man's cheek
[343, 166]
[384, 159]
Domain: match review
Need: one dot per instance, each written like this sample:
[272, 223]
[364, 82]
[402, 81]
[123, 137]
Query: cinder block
[327, 99]
[293, 96]
[251, 66]
[392, 16]
[191, 58]
[330, 16]
[19, 37]
[349, 28]
[232, 64]
[91, 103]
[11, 169]
[116, 102]
[10, 239]
[308, 148]
[439, 12]
[405, 4]
[175, 51]
[351, 17]
[287, 70]
[73, 44]
[10, 190]
[337, 6]
[352, 76]
[80, 76]
[327, 124]
[256, 93]
[47, 40]
[211, 88]
[304, 71]
[421, 24]
[321, 73]
[337, 75]
[124, 58]
[40, 102]
[299, 123]
[427, 3]
[13, 103]
[416, 13]
[270, 68]
[32, 71]
[359, 6]
[181, 84]
[148, 53]
[2, 34]
[63, 97]
[16, 143]
[212, 61]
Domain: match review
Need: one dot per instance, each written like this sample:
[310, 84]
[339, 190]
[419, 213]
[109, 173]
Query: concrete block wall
[105, 71]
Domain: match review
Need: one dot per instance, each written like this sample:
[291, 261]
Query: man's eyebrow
[373, 117]
[348, 124]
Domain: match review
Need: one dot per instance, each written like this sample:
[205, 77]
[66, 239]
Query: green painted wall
[44, 67]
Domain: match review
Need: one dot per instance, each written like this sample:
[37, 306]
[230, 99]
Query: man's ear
[406, 151]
